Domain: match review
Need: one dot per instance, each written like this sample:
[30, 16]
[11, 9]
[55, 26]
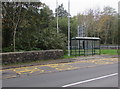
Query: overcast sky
[79, 6]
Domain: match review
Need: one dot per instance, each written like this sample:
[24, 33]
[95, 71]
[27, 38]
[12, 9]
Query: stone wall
[15, 57]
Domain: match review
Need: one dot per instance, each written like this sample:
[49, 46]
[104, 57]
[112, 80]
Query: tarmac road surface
[98, 75]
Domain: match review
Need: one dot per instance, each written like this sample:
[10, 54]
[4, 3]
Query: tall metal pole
[78, 30]
[68, 27]
[57, 15]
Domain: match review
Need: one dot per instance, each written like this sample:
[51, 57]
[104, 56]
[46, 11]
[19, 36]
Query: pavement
[77, 63]
[104, 75]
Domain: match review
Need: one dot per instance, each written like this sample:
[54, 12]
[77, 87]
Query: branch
[7, 12]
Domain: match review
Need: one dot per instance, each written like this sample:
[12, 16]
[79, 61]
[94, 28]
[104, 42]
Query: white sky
[79, 6]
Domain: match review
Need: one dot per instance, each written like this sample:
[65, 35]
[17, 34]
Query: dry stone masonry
[15, 57]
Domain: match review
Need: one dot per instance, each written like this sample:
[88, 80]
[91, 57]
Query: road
[96, 76]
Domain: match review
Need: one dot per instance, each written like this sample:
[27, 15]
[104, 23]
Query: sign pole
[68, 27]
[57, 15]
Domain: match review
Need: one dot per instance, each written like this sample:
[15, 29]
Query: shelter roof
[85, 38]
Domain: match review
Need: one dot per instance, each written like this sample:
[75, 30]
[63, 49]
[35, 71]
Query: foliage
[33, 31]
[63, 26]
[109, 51]
[32, 26]
[49, 39]
[13, 15]
[61, 11]
[101, 24]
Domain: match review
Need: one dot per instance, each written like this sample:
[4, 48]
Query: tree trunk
[14, 35]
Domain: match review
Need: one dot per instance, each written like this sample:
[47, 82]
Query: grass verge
[109, 51]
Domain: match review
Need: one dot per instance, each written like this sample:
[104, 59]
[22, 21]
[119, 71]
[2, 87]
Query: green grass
[109, 51]
[66, 56]
[103, 51]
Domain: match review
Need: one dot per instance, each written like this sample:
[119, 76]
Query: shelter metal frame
[85, 46]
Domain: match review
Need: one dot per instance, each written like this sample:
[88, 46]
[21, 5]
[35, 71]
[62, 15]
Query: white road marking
[89, 80]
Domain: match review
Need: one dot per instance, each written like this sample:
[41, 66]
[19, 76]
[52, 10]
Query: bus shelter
[85, 46]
